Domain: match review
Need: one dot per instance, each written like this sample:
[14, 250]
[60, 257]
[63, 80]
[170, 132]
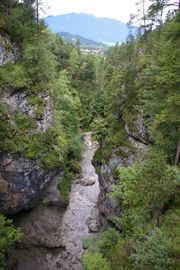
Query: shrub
[95, 261]
[8, 236]
[152, 253]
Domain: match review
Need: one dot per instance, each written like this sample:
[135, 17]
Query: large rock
[21, 181]
[85, 181]
[41, 226]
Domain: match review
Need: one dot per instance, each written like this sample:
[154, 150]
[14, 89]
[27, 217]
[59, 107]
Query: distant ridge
[105, 30]
[84, 42]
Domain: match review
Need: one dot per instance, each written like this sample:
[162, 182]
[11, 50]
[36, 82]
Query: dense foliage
[141, 77]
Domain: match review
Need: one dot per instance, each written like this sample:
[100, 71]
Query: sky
[116, 9]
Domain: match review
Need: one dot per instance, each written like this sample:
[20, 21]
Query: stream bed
[53, 233]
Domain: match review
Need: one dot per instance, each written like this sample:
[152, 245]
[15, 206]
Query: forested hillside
[139, 124]
[130, 98]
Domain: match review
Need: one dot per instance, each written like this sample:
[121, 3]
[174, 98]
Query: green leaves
[95, 261]
[144, 189]
[152, 252]
[8, 236]
[67, 105]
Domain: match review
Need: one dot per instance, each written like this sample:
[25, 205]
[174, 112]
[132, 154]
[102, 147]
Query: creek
[53, 235]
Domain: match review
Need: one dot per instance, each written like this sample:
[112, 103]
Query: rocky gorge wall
[21, 178]
[121, 156]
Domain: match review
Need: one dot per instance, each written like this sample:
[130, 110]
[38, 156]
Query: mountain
[84, 42]
[108, 31]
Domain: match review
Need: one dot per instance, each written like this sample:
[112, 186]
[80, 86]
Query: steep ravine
[53, 233]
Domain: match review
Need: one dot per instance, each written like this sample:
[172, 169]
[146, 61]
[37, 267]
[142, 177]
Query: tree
[144, 189]
[67, 105]
[152, 252]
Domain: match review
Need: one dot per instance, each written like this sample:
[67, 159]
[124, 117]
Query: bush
[108, 239]
[8, 236]
[152, 253]
[95, 261]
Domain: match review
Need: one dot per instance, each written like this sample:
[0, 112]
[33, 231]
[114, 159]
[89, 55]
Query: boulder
[86, 181]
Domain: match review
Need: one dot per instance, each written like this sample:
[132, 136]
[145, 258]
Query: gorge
[53, 236]
[89, 146]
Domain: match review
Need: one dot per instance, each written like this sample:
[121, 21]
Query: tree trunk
[177, 153]
[158, 213]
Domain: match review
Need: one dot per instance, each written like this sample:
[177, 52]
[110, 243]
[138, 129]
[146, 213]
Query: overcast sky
[117, 9]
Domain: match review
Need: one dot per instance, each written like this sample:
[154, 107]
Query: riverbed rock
[92, 225]
[86, 181]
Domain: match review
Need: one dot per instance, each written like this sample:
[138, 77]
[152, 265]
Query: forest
[132, 84]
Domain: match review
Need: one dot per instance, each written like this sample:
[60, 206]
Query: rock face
[8, 51]
[107, 178]
[41, 225]
[21, 182]
[21, 179]
[139, 131]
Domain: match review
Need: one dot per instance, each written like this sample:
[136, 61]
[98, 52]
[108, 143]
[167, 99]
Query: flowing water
[81, 215]
[79, 221]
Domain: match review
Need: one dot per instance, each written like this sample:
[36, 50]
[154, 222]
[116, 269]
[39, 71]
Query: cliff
[132, 148]
[25, 121]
